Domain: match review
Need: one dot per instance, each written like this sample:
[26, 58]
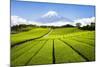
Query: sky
[33, 10]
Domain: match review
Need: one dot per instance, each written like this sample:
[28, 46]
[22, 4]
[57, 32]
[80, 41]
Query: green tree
[78, 25]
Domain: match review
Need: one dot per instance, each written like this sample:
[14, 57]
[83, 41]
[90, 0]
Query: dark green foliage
[88, 27]
[67, 25]
[78, 25]
[24, 27]
[21, 28]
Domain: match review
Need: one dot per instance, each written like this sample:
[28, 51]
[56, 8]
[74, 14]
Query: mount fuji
[52, 17]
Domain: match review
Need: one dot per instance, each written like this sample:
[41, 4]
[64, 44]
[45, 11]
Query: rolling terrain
[50, 46]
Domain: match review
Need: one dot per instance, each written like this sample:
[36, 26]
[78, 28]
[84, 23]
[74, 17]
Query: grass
[18, 50]
[60, 45]
[64, 53]
[25, 57]
[34, 33]
[86, 50]
[44, 56]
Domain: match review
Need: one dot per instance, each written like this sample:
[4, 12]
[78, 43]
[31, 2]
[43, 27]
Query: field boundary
[83, 42]
[28, 40]
[36, 52]
[75, 50]
[28, 50]
[53, 54]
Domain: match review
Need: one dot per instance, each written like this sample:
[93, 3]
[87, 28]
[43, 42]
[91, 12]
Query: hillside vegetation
[52, 45]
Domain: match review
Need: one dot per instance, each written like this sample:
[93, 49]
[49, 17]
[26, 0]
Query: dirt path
[48, 33]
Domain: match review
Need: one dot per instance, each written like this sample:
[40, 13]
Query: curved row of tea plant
[60, 45]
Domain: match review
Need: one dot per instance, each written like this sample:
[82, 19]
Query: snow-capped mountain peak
[51, 17]
[50, 14]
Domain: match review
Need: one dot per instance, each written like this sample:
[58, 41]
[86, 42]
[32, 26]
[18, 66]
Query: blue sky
[33, 10]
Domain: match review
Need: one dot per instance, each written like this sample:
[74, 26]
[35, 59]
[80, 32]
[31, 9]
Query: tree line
[24, 27]
[90, 26]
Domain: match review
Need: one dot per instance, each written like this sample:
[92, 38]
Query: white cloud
[16, 20]
[60, 23]
[85, 21]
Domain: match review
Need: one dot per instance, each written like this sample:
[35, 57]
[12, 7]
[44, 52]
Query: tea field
[51, 46]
